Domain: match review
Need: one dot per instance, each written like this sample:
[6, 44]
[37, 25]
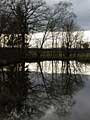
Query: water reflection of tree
[59, 91]
[13, 91]
[32, 98]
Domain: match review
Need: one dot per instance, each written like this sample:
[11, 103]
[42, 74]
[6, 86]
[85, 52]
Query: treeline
[20, 18]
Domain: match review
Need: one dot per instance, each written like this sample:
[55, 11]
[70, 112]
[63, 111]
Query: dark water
[45, 96]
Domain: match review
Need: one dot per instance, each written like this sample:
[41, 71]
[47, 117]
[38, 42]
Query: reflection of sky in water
[81, 111]
[86, 69]
[81, 108]
[47, 67]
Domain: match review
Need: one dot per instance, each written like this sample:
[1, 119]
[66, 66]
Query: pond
[56, 90]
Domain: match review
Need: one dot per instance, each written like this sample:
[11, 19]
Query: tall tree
[24, 16]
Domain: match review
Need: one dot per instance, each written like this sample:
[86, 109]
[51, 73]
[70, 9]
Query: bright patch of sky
[37, 38]
[87, 36]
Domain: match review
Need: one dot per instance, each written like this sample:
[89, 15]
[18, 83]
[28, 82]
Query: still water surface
[74, 104]
[48, 91]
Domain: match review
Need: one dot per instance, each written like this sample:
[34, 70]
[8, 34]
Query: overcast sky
[82, 10]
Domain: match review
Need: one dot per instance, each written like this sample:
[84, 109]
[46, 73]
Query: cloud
[81, 8]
